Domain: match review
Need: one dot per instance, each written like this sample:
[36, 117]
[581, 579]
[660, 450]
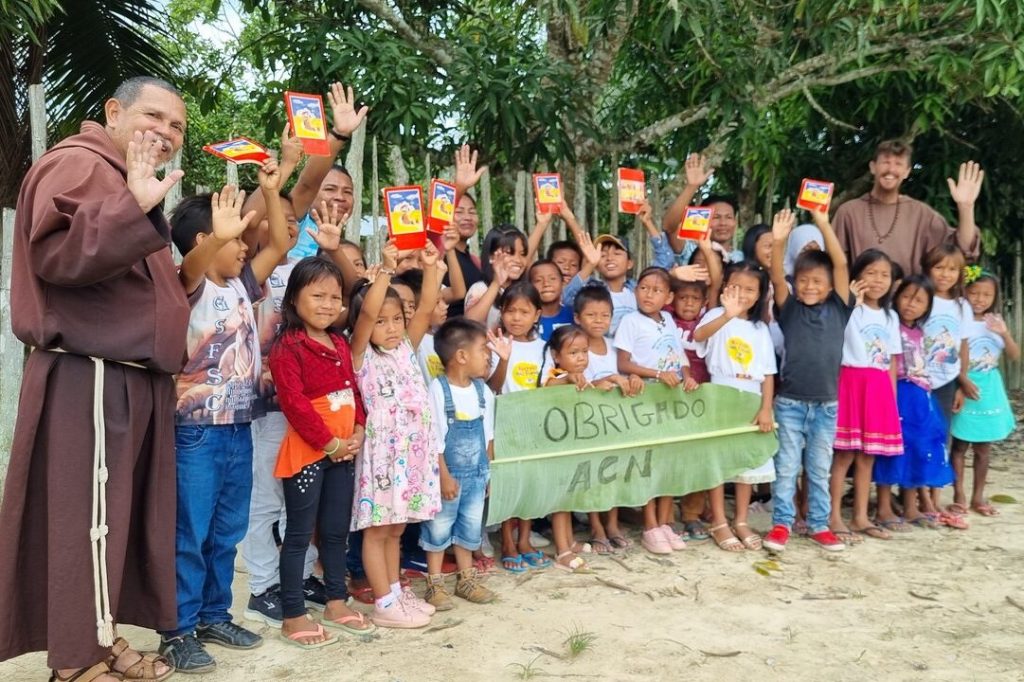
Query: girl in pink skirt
[868, 423]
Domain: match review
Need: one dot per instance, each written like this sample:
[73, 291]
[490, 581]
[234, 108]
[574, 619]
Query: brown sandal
[143, 670]
[85, 674]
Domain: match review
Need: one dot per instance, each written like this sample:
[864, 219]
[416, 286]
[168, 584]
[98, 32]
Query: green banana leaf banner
[559, 449]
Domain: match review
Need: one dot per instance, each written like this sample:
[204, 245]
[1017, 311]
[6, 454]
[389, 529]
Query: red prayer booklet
[308, 121]
[632, 191]
[547, 187]
[403, 207]
[815, 195]
[695, 222]
[442, 206]
[239, 150]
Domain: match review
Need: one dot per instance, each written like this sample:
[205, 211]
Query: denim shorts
[460, 520]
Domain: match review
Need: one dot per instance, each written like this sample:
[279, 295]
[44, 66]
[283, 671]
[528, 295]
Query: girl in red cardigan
[317, 390]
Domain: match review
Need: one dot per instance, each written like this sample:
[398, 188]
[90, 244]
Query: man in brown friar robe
[902, 227]
[89, 504]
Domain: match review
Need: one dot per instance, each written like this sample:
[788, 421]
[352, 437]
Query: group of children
[378, 413]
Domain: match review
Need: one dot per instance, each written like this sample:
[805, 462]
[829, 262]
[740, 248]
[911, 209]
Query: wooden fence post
[12, 354]
[373, 243]
[1015, 370]
[37, 119]
[354, 165]
[486, 211]
[520, 200]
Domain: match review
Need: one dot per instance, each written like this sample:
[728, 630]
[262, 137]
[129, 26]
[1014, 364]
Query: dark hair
[758, 313]
[499, 239]
[870, 257]
[191, 217]
[811, 260]
[592, 293]
[541, 263]
[564, 245]
[469, 196]
[893, 147]
[987, 277]
[556, 342]
[655, 271]
[936, 255]
[355, 301]
[750, 241]
[519, 290]
[455, 334]
[697, 253]
[412, 278]
[340, 169]
[678, 285]
[307, 271]
[897, 272]
[922, 283]
[129, 90]
[721, 199]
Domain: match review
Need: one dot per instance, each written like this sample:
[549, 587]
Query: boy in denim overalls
[466, 431]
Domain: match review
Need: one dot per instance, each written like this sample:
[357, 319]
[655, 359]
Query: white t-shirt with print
[623, 303]
[474, 294]
[740, 354]
[430, 361]
[467, 406]
[601, 366]
[872, 337]
[524, 365]
[983, 345]
[653, 345]
[943, 333]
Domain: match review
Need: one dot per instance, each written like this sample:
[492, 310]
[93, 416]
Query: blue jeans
[214, 485]
[807, 431]
[460, 520]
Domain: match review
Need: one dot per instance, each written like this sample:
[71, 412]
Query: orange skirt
[338, 410]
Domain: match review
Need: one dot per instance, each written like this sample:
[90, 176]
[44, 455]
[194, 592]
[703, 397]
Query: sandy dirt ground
[928, 605]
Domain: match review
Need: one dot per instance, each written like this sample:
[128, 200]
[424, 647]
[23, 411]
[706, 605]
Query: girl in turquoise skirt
[983, 415]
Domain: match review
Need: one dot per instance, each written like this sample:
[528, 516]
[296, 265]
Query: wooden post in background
[230, 174]
[354, 166]
[521, 181]
[1015, 370]
[37, 119]
[579, 199]
[485, 211]
[376, 236]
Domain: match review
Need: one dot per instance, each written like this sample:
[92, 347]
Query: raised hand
[429, 255]
[500, 344]
[730, 300]
[691, 273]
[591, 253]
[565, 213]
[820, 218]
[646, 212]
[543, 220]
[389, 256]
[466, 172]
[500, 268]
[328, 226]
[783, 224]
[450, 238]
[858, 289]
[343, 109]
[141, 162]
[270, 176]
[996, 324]
[226, 218]
[697, 170]
[968, 185]
[291, 147]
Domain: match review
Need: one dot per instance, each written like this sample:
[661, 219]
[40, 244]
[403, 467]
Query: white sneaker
[398, 616]
[411, 601]
[538, 540]
[486, 548]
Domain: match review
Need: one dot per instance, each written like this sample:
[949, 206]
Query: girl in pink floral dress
[397, 476]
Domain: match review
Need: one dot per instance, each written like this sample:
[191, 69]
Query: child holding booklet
[813, 316]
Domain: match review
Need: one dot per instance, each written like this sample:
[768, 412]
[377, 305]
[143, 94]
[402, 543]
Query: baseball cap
[610, 239]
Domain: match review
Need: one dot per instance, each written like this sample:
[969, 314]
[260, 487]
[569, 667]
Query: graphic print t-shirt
[871, 338]
[523, 366]
[984, 346]
[268, 322]
[218, 383]
[943, 333]
[654, 345]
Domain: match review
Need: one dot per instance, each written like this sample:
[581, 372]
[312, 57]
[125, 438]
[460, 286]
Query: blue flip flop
[516, 561]
[536, 560]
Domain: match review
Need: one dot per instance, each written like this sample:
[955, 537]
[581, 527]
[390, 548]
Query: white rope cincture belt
[99, 529]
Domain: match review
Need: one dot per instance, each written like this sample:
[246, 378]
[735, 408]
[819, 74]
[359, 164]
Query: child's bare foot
[303, 631]
[337, 611]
